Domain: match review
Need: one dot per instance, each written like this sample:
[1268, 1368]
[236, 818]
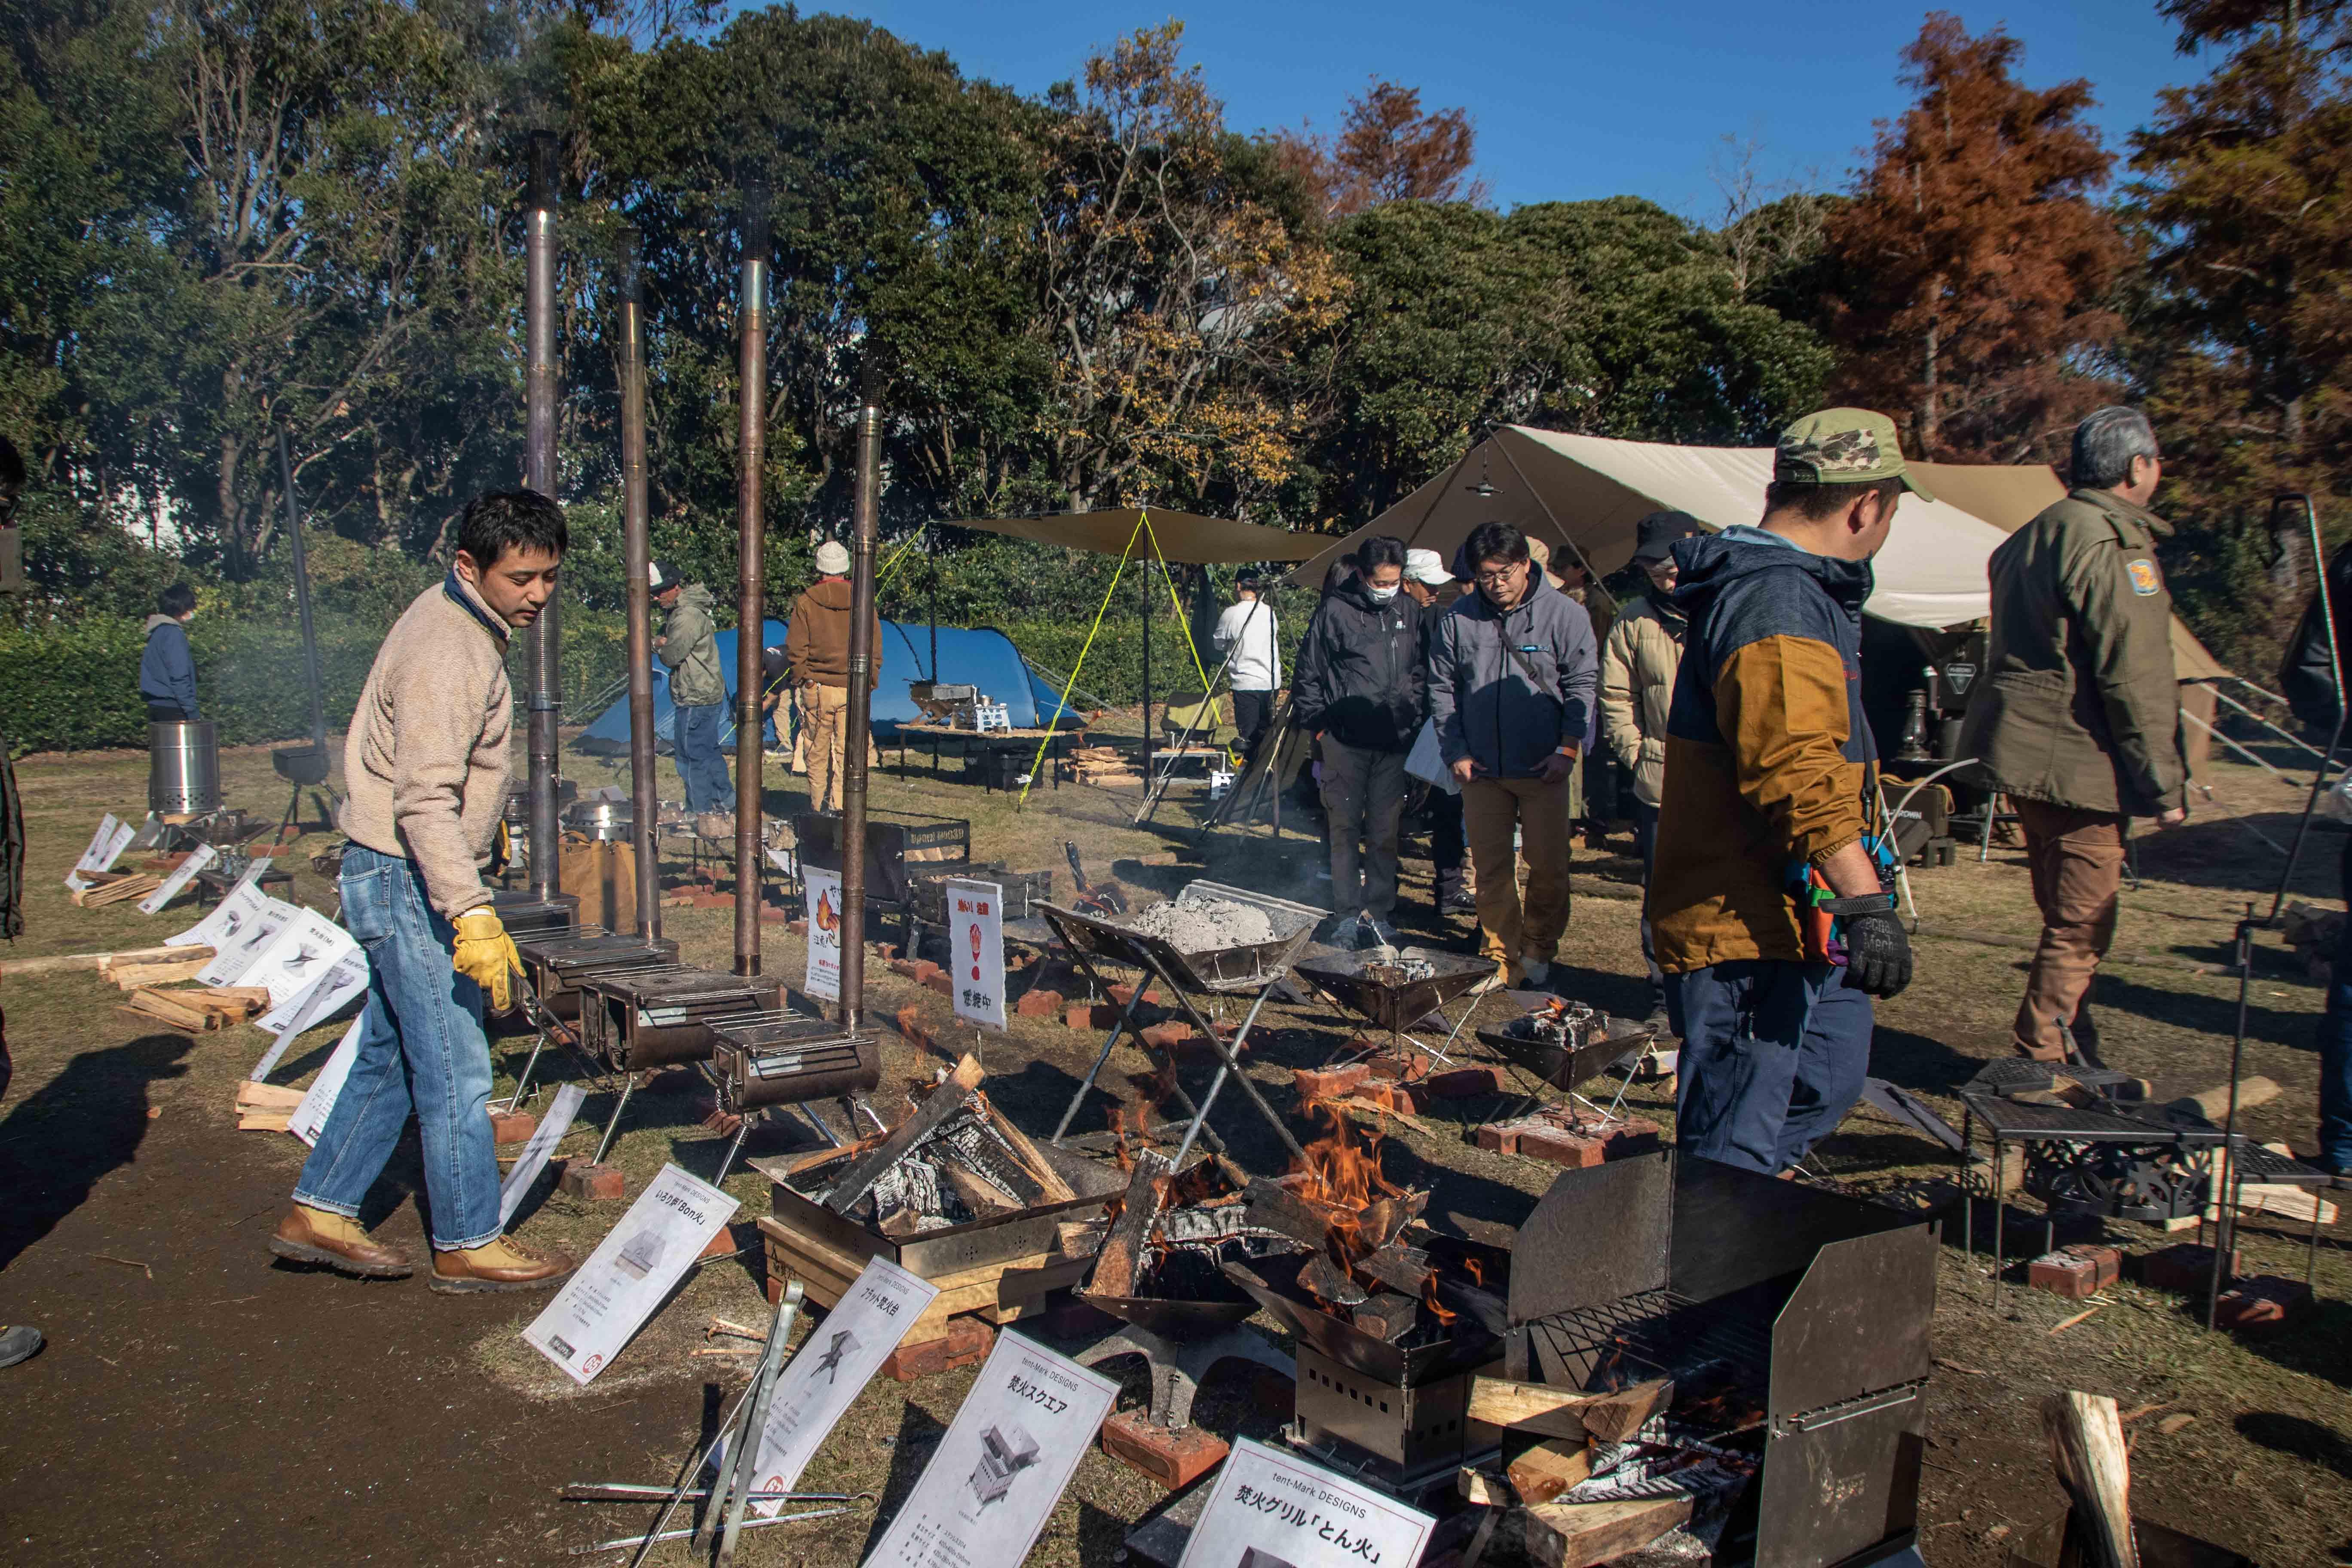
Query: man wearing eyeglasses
[1512, 669]
[1768, 904]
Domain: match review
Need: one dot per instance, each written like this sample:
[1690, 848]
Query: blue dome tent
[982, 657]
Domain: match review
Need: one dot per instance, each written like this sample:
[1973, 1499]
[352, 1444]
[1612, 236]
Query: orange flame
[1477, 1270]
[1130, 1122]
[1445, 1315]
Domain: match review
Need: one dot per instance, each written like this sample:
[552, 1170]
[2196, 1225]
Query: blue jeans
[2335, 1046]
[421, 1050]
[695, 738]
[1773, 1057]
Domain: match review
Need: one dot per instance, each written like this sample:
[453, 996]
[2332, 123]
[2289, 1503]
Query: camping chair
[1190, 719]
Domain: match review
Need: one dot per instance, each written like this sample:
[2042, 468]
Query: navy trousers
[1773, 1057]
[2335, 1046]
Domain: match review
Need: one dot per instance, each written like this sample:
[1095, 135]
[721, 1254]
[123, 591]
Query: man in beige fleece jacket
[425, 765]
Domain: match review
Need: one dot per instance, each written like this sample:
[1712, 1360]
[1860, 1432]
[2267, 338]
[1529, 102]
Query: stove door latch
[1845, 1410]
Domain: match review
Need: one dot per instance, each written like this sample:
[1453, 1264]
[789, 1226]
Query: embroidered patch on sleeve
[2144, 580]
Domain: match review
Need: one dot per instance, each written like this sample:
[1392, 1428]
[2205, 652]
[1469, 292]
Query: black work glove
[1877, 954]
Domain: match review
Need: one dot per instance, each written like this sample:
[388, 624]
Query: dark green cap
[1844, 446]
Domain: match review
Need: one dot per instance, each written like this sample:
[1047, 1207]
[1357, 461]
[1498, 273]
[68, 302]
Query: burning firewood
[1173, 1229]
[1389, 1315]
[954, 1161]
[1122, 1258]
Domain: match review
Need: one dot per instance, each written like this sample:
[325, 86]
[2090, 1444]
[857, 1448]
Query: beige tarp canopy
[1588, 493]
[1180, 536]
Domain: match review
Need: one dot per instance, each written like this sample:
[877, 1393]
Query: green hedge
[74, 685]
[1114, 669]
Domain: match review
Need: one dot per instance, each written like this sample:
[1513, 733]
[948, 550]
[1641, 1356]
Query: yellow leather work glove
[501, 851]
[486, 956]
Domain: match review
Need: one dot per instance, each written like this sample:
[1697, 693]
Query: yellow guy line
[1062, 706]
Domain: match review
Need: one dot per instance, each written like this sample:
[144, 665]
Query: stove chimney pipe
[636, 560]
[752, 575]
[859, 719]
[539, 474]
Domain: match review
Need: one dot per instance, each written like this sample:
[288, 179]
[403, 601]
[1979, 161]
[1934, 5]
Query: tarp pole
[546, 636]
[636, 560]
[752, 575]
[1590, 574]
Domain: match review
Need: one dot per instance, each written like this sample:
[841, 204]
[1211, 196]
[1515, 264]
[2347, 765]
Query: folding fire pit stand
[1564, 1067]
[1250, 970]
[768, 1060]
[1396, 994]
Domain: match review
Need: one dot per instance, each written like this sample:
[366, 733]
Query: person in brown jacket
[425, 764]
[1638, 661]
[816, 646]
[2079, 717]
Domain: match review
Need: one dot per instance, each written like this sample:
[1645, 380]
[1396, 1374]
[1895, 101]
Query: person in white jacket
[1246, 631]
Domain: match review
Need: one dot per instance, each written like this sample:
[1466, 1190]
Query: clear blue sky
[1571, 101]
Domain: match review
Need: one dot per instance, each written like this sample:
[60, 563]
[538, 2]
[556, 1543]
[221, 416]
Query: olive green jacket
[2079, 704]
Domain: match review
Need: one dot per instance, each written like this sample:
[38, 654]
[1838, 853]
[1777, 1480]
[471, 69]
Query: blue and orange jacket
[1768, 757]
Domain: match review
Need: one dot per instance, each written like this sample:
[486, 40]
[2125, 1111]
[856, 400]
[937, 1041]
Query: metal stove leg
[1125, 1018]
[628, 1088]
[2000, 1223]
[735, 1147]
[809, 1115]
[1230, 1051]
[530, 1064]
[1218, 1082]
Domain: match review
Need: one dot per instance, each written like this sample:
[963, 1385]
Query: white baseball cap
[1427, 568]
[832, 558]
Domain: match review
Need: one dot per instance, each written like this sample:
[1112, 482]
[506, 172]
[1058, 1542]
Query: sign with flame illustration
[824, 932]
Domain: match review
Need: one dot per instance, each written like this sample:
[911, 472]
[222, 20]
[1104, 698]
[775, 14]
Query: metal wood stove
[637, 1019]
[525, 914]
[558, 961]
[1794, 1323]
[767, 1060]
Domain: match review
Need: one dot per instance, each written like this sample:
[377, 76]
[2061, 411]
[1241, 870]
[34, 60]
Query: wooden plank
[1487, 1490]
[829, 1273]
[66, 962]
[1580, 1535]
[266, 1097]
[2281, 1199]
[159, 970]
[1542, 1410]
[1548, 1467]
[2086, 1447]
[1057, 1191]
[1122, 1258]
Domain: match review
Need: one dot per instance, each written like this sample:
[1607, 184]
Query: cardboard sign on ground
[543, 1139]
[302, 951]
[247, 934]
[202, 856]
[832, 1366]
[105, 847]
[994, 1479]
[309, 1117]
[1270, 1507]
[630, 1274]
[343, 981]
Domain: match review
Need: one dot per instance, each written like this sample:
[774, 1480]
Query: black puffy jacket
[1362, 679]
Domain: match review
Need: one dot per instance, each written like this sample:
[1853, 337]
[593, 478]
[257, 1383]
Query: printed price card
[832, 1366]
[309, 1117]
[543, 1140]
[994, 1479]
[202, 856]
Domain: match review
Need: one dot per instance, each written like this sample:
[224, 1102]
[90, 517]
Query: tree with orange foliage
[1971, 268]
[1387, 151]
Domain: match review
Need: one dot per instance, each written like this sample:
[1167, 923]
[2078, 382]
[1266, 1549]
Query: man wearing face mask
[1511, 675]
[1360, 689]
[1770, 906]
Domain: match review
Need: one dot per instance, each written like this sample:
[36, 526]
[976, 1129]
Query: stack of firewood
[1106, 767]
[112, 888]
[264, 1107]
[153, 966]
[199, 1011]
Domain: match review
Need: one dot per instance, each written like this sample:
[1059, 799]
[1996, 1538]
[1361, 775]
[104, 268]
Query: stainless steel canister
[182, 766]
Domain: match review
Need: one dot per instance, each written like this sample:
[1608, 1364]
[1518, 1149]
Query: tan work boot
[505, 1264]
[338, 1242]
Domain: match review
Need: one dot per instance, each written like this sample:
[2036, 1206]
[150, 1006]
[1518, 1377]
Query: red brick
[798, 928]
[1463, 1082]
[1167, 1037]
[966, 1343]
[713, 901]
[2063, 1274]
[887, 951]
[2186, 1267]
[591, 1183]
[1503, 1137]
[1090, 1015]
[1123, 994]
[1173, 1456]
[512, 1126]
[1630, 1137]
[941, 981]
[2108, 1260]
[770, 914]
[1544, 1141]
[1409, 1064]
[2261, 1301]
[905, 966]
[1035, 1004]
[1313, 1084]
[723, 1245]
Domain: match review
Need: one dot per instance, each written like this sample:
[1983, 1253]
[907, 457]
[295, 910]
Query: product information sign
[631, 1272]
[106, 845]
[245, 936]
[543, 1140]
[976, 945]
[1270, 1510]
[824, 932]
[202, 856]
[309, 1117]
[244, 900]
[832, 1366]
[995, 1477]
[301, 954]
[344, 980]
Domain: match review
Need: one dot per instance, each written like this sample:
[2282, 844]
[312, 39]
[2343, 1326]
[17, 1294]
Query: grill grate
[1654, 1333]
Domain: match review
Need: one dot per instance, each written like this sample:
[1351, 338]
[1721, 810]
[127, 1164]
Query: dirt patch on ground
[253, 1411]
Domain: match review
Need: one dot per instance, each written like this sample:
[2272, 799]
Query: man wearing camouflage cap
[1770, 910]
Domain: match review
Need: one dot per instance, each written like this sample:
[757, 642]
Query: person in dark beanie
[167, 671]
[1361, 689]
[1638, 661]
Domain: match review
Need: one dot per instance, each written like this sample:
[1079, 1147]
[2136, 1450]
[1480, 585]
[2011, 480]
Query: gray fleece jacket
[1508, 688]
[689, 650]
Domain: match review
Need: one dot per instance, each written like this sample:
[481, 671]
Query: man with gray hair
[2078, 721]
